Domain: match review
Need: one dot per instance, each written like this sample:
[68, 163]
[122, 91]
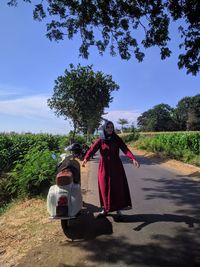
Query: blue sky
[30, 63]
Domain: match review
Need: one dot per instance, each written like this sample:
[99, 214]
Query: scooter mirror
[67, 149]
[53, 156]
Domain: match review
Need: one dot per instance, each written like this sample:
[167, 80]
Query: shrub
[182, 146]
[133, 136]
[33, 173]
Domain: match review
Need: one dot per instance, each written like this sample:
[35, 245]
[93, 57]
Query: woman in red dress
[112, 182]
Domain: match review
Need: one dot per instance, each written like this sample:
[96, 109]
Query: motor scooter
[64, 199]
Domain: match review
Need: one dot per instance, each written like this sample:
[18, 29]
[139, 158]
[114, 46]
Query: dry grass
[23, 226]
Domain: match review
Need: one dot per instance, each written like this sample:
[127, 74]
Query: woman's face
[109, 129]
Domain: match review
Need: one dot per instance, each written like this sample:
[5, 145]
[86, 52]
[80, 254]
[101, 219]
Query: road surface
[162, 229]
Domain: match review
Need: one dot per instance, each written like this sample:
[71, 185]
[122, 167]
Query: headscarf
[104, 136]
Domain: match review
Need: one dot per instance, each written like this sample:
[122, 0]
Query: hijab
[107, 137]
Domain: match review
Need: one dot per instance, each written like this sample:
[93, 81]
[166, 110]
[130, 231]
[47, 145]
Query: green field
[183, 146]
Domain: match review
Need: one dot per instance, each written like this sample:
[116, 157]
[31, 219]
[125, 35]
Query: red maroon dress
[113, 186]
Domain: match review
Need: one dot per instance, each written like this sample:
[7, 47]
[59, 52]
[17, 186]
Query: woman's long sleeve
[125, 149]
[93, 149]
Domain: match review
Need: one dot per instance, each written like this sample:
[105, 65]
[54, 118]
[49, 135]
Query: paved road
[162, 229]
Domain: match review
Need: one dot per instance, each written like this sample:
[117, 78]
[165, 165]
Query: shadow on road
[147, 219]
[182, 192]
[181, 250]
[86, 226]
[194, 174]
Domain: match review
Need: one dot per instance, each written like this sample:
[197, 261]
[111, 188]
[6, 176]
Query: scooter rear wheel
[65, 224]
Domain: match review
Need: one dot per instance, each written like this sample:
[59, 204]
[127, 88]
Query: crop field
[183, 146]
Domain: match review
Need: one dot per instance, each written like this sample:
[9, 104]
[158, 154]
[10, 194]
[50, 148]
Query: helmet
[75, 148]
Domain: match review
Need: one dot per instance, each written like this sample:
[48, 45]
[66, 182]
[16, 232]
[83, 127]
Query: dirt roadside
[26, 225]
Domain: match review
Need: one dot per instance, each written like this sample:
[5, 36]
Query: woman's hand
[136, 163]
[84, 162]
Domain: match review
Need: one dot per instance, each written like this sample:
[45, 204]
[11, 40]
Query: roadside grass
[25, 225]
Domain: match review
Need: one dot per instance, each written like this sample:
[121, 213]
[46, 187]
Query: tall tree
[193, 118]
[122, 122]
[118, 21]
[159, 118]
[187, 113]
[181, 113]
[82, 95]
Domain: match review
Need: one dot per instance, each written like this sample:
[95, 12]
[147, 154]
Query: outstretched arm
[127, 152]
[93, 149]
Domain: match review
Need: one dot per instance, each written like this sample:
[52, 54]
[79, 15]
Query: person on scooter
[112, 182]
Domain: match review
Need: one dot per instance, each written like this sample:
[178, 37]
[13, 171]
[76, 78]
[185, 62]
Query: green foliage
[186, 116]
[31, 175]
[76, 139]
[114, 25]
[188, 113]
[159, 118]
[14, 147]
[181, 146]
[81, 95]
[193, 121]
[181, 113]
[129, 137]
[5, 196]
[5, 149]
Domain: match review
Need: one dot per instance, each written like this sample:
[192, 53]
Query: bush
[31, 175]
[133, 136]
[14, 147]
[5, 197]
[181, 146]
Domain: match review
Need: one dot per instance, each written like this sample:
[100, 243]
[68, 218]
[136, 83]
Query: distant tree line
[162, 117]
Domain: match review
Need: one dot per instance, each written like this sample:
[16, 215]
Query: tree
[193, 118]
[186, 116]
[192, 121]
[181, 113]
[118, 22]
[122, 122]
[159, 118]
[187, 113]
[81, 95]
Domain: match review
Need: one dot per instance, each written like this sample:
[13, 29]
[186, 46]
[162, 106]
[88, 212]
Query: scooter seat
[64, 177]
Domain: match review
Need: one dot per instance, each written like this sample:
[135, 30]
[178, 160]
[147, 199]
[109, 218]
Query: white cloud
[30, 106]
[7, 91]
[130, 115]
[32, 114]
